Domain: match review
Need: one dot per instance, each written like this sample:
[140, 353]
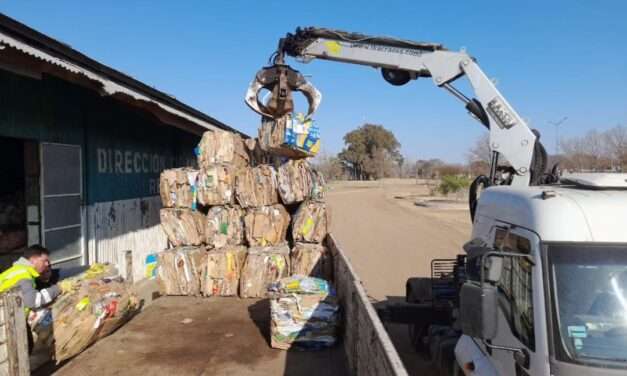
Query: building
[81, 149]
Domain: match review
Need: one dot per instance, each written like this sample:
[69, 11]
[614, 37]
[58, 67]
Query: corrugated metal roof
[39, 46]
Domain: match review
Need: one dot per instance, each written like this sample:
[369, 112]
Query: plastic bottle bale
[266, 225]
[181, 269]
[263, 266]
[311, 222]
[225, 226]
[214, 185]
[223, 269]
[177, 187]
[221, 147]
[256, 186]
[312, 260]
[183, 226]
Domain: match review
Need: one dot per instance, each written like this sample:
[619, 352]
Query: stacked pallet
[228, 223]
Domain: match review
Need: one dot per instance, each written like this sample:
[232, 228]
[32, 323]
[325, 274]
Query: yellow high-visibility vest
[10, 277]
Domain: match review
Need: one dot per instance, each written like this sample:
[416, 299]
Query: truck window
[515, 294]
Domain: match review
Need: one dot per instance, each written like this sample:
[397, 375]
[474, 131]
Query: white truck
[542, 288]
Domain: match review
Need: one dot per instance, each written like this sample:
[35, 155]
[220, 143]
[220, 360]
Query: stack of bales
[228, 222]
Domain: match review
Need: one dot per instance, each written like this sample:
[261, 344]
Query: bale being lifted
[257, 186]
[225, 225]
[312, 260]
[220, 147]
[222, 273]
[177, 186]
[263, 266]
[214, 185]
[311, 222]
[266, 225]
[180, 270]
[183, 226]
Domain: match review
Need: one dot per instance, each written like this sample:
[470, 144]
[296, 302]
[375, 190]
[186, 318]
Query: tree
[331, 167]
[480, 151]
[371, 152]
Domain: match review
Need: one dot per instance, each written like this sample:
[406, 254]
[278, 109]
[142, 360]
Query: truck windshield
[589, 294]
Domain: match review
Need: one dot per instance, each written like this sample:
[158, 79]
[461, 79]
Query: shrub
[452, 184]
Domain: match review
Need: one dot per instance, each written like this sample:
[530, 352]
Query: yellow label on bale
[307, 227]
[82, 304]
[230, 265]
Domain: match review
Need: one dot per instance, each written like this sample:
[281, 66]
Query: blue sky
[550, 58]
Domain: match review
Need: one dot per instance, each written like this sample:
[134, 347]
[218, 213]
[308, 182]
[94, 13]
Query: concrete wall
[367, 346]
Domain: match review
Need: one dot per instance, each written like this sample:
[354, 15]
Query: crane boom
[401, 61]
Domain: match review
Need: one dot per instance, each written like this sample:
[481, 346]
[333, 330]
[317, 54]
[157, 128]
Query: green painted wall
[124, 149]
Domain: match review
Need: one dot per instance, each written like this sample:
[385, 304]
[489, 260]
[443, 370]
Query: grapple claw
[280, 80]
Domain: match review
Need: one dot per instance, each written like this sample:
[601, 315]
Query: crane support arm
[404, 60]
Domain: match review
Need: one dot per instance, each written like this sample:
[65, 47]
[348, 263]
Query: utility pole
[557, 133]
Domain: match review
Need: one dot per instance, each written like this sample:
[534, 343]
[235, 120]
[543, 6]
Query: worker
[24, 274]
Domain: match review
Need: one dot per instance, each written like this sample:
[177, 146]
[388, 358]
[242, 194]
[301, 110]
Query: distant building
[81, 149]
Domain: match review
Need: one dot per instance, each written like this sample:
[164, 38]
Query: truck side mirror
[493, 266]
[478, 310]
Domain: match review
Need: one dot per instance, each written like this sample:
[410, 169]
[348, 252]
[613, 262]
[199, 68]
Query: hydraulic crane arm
[401, 61]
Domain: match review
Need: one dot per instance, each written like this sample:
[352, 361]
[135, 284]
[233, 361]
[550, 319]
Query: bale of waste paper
[223, 269]
[263, 266]
[177, 187]
[221, 147]
[311, 222]
[291, 136]
[256, 186]
[214, 185]
[313, 260]
[304, 313]
[180, 270]
[225, 225]
[258, 156]
[183, 226]
[266, 225]
[99, 303]
[298, 181]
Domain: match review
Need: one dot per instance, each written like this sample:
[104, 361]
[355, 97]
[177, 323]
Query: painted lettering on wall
[128, 162]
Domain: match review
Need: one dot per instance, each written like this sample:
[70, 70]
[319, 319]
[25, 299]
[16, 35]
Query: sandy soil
[389, 239]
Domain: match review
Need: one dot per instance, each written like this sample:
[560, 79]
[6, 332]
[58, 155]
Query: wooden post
[15, 335]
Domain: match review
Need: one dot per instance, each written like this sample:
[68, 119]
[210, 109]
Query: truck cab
[559, 295]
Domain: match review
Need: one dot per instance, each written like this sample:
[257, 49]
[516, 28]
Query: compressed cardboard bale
[289, 136]
[311, 222]
[256, 186]
[225, 225]
[263, 266]
[99, 304]
[180, 270]
[214, 185]
[312, 260]
[298, 181]
[221, 147]
[257, 155]
[266, 225]
[223, 269]
[304, 313]
[183, 226]
[177, 187]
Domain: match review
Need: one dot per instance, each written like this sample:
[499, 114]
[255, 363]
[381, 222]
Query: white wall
[117, 226]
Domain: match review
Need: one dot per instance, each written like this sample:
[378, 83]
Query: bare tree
[616, 139]
[480, 151]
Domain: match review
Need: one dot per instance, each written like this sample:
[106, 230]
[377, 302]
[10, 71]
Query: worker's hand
[68, 286]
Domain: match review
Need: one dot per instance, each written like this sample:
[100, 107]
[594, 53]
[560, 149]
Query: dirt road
[389, 239]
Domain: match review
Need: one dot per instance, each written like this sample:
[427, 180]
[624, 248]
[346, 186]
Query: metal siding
[126, 152]
[118, 226]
